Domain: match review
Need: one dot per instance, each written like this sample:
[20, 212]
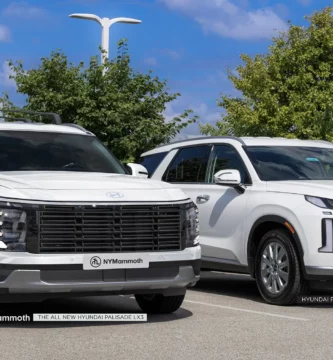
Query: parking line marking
[245, 310]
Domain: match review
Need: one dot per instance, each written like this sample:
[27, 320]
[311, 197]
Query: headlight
[191, 225]
[13, 229]
[320, 202]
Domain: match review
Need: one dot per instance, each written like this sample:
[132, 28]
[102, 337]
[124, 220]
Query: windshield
[277, 163]
[43, 151]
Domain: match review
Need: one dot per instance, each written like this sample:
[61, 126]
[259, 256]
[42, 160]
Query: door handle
[203, 198]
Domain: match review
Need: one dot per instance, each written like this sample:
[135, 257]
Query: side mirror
[138, 170]
[228, 178]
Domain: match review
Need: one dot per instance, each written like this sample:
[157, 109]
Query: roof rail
[205, 138]
[78, 127]
[56, 119]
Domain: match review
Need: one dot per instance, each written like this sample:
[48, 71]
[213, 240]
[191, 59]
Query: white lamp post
[106, 24]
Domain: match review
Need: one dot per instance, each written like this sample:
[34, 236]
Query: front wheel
[278, 270]
[159, 304]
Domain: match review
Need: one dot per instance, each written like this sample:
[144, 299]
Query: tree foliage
[122, 107]
[287, 92]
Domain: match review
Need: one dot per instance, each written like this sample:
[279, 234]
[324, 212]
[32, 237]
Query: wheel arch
[262, 226]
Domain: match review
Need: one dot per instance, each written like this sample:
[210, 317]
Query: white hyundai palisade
[265, 205]
[74, 222]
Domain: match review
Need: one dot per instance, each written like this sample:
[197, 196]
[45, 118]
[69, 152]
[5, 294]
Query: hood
[78, 186]
[319, 188]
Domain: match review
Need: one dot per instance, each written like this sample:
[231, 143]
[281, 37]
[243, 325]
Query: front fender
[277, 214]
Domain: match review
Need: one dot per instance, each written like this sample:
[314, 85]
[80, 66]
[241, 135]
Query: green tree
[287, 92]
[122, 107]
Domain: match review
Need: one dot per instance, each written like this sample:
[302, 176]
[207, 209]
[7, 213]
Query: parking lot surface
[223, 317]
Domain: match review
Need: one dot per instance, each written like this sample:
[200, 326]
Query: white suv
[74, 223]
[265, 207]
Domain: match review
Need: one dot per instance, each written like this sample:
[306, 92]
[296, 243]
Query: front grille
[117, 228]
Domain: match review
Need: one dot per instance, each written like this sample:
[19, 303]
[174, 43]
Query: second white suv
[265, 207]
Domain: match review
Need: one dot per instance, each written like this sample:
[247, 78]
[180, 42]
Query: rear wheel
[159, 304]
[278, 270]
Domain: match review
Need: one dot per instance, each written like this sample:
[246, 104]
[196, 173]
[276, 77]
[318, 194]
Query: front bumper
[169, 273]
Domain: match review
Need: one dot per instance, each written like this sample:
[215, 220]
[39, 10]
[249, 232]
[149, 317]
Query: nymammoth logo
[95, 261]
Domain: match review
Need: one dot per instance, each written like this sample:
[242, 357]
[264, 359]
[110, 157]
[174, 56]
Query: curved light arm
[124, 20]
[87, 17]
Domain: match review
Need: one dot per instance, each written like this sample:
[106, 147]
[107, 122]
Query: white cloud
[150, 61]
[5, 74]
[281, 10]
[228, 20]
[206, 114]
[170, 112]
[4, 33]
[23, 10]
[171, 53]
[305, 2]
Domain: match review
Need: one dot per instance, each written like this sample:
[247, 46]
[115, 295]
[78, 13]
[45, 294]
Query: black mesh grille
[125, 228]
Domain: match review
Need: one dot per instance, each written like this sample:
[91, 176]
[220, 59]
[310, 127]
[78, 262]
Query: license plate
[115, 261]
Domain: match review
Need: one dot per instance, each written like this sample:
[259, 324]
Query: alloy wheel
[275, 268]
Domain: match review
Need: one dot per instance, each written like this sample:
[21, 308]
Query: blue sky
[189, 42]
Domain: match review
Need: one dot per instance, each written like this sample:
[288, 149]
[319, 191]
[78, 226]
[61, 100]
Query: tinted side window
[226, 157]
[189, 165]
[152, 162]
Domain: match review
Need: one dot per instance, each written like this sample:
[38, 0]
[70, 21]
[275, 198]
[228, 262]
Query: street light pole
[105, 38]
[106, 24]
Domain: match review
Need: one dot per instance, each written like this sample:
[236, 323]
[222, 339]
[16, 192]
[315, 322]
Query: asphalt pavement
[223, 317]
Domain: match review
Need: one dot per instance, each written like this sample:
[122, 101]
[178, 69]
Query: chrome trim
[51, 202]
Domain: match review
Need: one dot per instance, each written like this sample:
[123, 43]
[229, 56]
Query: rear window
[152, 162]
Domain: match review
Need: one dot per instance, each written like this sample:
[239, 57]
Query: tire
[274, 286]
[159, 304]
